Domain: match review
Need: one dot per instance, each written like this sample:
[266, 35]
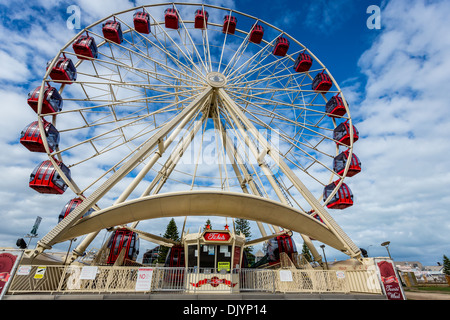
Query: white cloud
[405, 129]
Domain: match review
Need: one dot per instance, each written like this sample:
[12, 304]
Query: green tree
[243, 226]
[446, 265]
[207, 223]
[171, 233]
[306, 253]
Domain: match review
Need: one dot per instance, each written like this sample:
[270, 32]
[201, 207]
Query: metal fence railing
[109, 279]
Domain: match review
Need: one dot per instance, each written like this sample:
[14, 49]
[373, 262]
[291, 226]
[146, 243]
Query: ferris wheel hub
[216, 79]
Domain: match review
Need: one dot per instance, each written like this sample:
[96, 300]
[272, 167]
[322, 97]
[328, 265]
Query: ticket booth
[212, 258]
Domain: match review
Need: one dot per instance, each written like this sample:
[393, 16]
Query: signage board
[216, 236]
[389, 278]
[144, 279]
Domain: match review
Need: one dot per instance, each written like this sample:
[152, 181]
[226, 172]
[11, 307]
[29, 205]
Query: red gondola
[335, 107]
[123, 239]
[229, 24]
[32, 140]
[64, 70]
[45, 178]
[201, 19]
[174, 278]
[175, 257]
[85, 47]
[52, 101]
[70, 206]
[342, 133]
[280, 244]
[315, 215]
[342, 199]
[256, 34]
[303, 62]
[171, 18]
[340, 161]
[322, 82]
[141, 22]
[112, 31]
[281, 47]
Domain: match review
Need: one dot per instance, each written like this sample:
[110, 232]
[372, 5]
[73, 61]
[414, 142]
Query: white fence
[107, 279]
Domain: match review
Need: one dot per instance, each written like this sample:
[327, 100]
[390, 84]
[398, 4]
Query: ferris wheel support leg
[171, 162]
[162, 146]
[52, 237]
[352, 250]
[266, 170]
[237, 163]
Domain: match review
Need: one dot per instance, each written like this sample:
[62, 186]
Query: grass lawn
[440, 289]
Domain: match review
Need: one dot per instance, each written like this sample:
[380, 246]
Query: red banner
[392, 285]
[214, 281]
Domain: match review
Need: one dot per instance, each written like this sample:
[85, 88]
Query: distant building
[422, 273]
[150, 256]
[259, 255]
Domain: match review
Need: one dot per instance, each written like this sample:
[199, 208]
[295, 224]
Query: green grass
[440, 289]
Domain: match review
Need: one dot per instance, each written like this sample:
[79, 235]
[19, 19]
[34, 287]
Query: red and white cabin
[123, 239]
[342, 199]
[63, 70]
[70, 206]
[201, 19]
[256, 34]
[340, 162]
[45, 178]
[281, 47]
[303, 62]
[141, 22]
[52, 100]
[322, 82]
[342, 133]
[229, 24]
[85, 47]
[335, 107]
[31, 138]
[171, 19]
[112, 31]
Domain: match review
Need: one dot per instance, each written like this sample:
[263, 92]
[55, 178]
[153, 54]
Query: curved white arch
[200, 203]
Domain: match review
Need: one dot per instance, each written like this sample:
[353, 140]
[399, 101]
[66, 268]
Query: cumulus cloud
[402, 192]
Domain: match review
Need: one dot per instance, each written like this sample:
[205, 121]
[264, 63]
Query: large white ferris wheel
[181, 109]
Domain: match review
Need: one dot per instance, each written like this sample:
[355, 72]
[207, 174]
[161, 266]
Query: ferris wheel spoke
[239, 52]
[272, 67]
[152, 72]
[248, 62]
[192, 43]
[194, 68]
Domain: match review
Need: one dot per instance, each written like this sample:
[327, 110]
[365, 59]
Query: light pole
[326, 263]
[386, 245]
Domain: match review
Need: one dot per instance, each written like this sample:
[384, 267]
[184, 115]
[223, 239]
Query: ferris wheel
[183, 109]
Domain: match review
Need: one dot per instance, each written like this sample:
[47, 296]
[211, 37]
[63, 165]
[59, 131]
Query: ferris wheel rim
[46, 79]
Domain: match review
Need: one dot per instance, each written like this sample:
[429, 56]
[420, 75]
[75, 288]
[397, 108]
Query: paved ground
[410, 295]
[199, 297]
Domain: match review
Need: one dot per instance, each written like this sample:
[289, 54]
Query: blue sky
[394, 78]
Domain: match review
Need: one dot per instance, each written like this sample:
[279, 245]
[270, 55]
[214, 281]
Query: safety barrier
[108, 279]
